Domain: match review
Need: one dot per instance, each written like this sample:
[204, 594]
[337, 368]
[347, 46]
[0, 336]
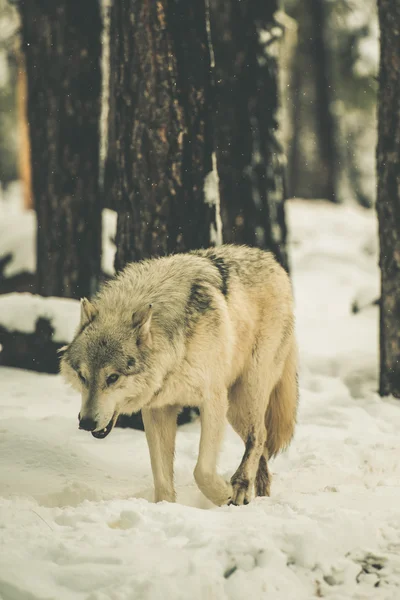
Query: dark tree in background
[388, 201]
[312, 160]
[62, 45]
[330, 98]
[250, 160]
[161, 78]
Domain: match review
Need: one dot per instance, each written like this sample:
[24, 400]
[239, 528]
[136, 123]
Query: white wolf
[213, 329]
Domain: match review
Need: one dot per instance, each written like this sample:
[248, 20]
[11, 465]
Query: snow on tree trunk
[162, 158]
[388, 201]
[108, 142]
[61, 41]
[250, 160]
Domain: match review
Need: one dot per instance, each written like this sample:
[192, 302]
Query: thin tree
[388, 200]
[62, 45]
[313, 153]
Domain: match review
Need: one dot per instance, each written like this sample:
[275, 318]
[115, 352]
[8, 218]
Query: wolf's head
[109, 363]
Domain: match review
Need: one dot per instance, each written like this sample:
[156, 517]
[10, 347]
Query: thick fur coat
[214, 329]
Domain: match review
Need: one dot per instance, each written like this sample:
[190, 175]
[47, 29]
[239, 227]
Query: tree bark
[388, 201]
[163, 168]
[313, 157]
[61, 41]
[250, 160]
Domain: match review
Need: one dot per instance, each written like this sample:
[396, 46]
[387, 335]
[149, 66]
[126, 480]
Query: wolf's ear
[88, 312]
[141, 320]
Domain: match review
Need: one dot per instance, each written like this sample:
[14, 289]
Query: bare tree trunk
[312, 165]
[249, 157]
[61, 40]
[388, 201]
[163, 165]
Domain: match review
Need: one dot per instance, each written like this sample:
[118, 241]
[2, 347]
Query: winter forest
[138, 129]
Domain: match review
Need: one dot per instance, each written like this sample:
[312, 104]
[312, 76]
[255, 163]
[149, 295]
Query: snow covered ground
[76, 517]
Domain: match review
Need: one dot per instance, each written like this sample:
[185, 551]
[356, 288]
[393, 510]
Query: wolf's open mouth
[102, 433]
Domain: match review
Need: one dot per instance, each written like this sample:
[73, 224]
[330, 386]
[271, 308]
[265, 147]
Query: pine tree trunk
[313, 160]
[388, 201]
[164, 177]
[250, 160]
[61, 40]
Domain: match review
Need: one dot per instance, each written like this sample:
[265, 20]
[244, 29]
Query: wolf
[212, 329]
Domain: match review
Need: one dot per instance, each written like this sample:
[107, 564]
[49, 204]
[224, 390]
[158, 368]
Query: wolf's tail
[280, 417]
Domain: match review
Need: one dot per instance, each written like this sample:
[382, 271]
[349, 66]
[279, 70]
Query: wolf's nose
[87, 424]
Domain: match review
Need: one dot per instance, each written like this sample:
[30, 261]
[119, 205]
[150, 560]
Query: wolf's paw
[241, 491]
[220, 493]
[224, 495]
[213, 487]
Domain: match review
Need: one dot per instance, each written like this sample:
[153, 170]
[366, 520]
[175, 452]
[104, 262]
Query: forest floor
[76, 520]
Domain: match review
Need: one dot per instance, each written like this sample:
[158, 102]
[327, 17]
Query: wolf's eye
[112, 378]
[81, 377]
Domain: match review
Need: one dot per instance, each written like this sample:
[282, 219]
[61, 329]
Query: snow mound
[19, 312]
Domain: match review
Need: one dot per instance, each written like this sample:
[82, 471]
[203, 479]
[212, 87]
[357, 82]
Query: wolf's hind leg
[160, 427]
[280, 418]
[213, 423]
[246, 414]
[263, 477]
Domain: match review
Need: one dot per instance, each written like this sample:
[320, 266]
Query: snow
[76, 518]
[19, 312]
[361, 19]
[109, 231]
[18, 234]
[211, 197]
[105, 84]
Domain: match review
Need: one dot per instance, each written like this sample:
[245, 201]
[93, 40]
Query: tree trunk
[166, 184]
[312, 164]
[249, 157]
[388, 201]
[61, 40]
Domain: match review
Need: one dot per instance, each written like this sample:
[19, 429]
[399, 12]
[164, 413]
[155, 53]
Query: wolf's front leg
[213, 423]
[160, 427]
